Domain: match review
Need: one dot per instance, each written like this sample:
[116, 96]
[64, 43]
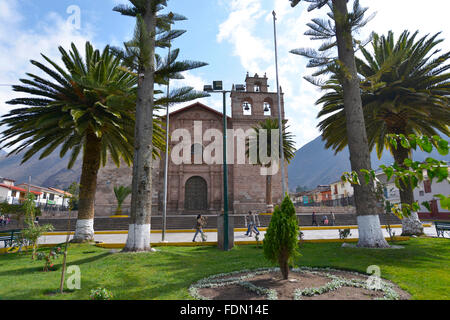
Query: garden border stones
[241, 278]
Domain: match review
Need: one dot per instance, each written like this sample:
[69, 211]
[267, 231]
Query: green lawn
[421, 268]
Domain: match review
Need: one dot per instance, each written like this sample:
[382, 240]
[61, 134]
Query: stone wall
[327, 210]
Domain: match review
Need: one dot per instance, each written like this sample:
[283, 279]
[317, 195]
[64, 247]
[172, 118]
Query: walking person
[200, 223]
[314, 219]
[333, 219]
[252, 220]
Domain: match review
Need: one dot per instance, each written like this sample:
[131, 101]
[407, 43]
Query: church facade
[195, 182]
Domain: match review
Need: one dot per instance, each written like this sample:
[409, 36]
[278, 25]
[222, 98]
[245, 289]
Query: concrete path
[185, 236]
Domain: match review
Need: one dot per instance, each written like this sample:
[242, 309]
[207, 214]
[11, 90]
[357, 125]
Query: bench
[9, 236]
[441, 227]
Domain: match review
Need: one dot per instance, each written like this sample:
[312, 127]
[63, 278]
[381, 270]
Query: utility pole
[280, 121]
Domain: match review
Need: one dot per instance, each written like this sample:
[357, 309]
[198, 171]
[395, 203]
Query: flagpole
[280, 122]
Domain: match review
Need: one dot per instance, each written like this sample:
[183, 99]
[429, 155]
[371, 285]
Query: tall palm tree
[405, 89]
[338, 32]
[263, 130]
[152, 30]
[83, 108]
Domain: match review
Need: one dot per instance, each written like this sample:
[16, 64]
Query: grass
[421, 268]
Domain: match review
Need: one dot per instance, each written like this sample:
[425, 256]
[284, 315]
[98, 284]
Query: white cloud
[246, 19]
[19, 45]
[241, 29]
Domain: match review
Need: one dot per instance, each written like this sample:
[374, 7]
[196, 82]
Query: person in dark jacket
[314, 219]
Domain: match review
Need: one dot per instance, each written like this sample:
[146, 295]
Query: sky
[233, 36]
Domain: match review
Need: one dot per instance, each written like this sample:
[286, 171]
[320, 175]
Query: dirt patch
[304, 284]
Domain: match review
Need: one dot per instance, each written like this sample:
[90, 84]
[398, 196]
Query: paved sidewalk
[174, 237]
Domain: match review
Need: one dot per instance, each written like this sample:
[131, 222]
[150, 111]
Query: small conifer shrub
[281, 239]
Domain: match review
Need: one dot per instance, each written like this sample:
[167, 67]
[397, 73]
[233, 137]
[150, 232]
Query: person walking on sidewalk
[314, 219]
[201, 222]
[333, 219]
[252, 220]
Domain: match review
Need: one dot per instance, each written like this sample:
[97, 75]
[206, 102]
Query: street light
[217, 87]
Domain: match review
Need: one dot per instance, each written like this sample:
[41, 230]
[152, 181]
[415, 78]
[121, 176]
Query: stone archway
[196, 194]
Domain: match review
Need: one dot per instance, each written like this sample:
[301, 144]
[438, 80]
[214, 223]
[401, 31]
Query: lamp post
[218, 87]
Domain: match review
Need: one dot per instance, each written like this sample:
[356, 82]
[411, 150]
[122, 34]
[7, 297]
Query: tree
[280, 242]
[121, 193]
[412, 172]
[152, 30]
[405, 89]
[339, 33]
[84, 108]
[31, 234]
[263, 130]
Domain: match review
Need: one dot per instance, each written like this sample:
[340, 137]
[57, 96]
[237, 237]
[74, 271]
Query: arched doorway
[196, 194]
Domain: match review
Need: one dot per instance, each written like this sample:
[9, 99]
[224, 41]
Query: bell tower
[251, 104]
[254, 102]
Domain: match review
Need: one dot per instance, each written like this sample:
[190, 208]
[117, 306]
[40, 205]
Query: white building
[13, 194]
[340, 189]
[423, 193]
[50, 196]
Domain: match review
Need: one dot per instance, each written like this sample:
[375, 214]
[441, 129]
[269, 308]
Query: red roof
[18, 189]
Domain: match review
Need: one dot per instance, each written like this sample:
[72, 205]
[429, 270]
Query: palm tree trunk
[141, 202]
[370, 234]
[84, 230]
[410, 225]
[269, 193]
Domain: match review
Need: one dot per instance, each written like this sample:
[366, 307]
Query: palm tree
[152, 30]
[405, 90]
[339, 33]
[263, 130]
[84, 108]
[121, 194]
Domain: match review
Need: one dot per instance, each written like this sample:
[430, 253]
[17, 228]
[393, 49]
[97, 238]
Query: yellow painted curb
[214, 243]
[16, 249]
[119, 216]
[215, 230]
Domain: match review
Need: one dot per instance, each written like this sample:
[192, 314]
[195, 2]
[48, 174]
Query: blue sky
[233, 36]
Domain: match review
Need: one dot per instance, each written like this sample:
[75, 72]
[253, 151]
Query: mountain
[314, 165]
[49, 172]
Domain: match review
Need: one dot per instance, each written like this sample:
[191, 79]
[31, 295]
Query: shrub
[344, 234]
[53, 254]
[101, 294]
[280, 243]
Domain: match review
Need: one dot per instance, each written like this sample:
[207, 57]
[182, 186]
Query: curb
[214, 243]
[62, 233]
